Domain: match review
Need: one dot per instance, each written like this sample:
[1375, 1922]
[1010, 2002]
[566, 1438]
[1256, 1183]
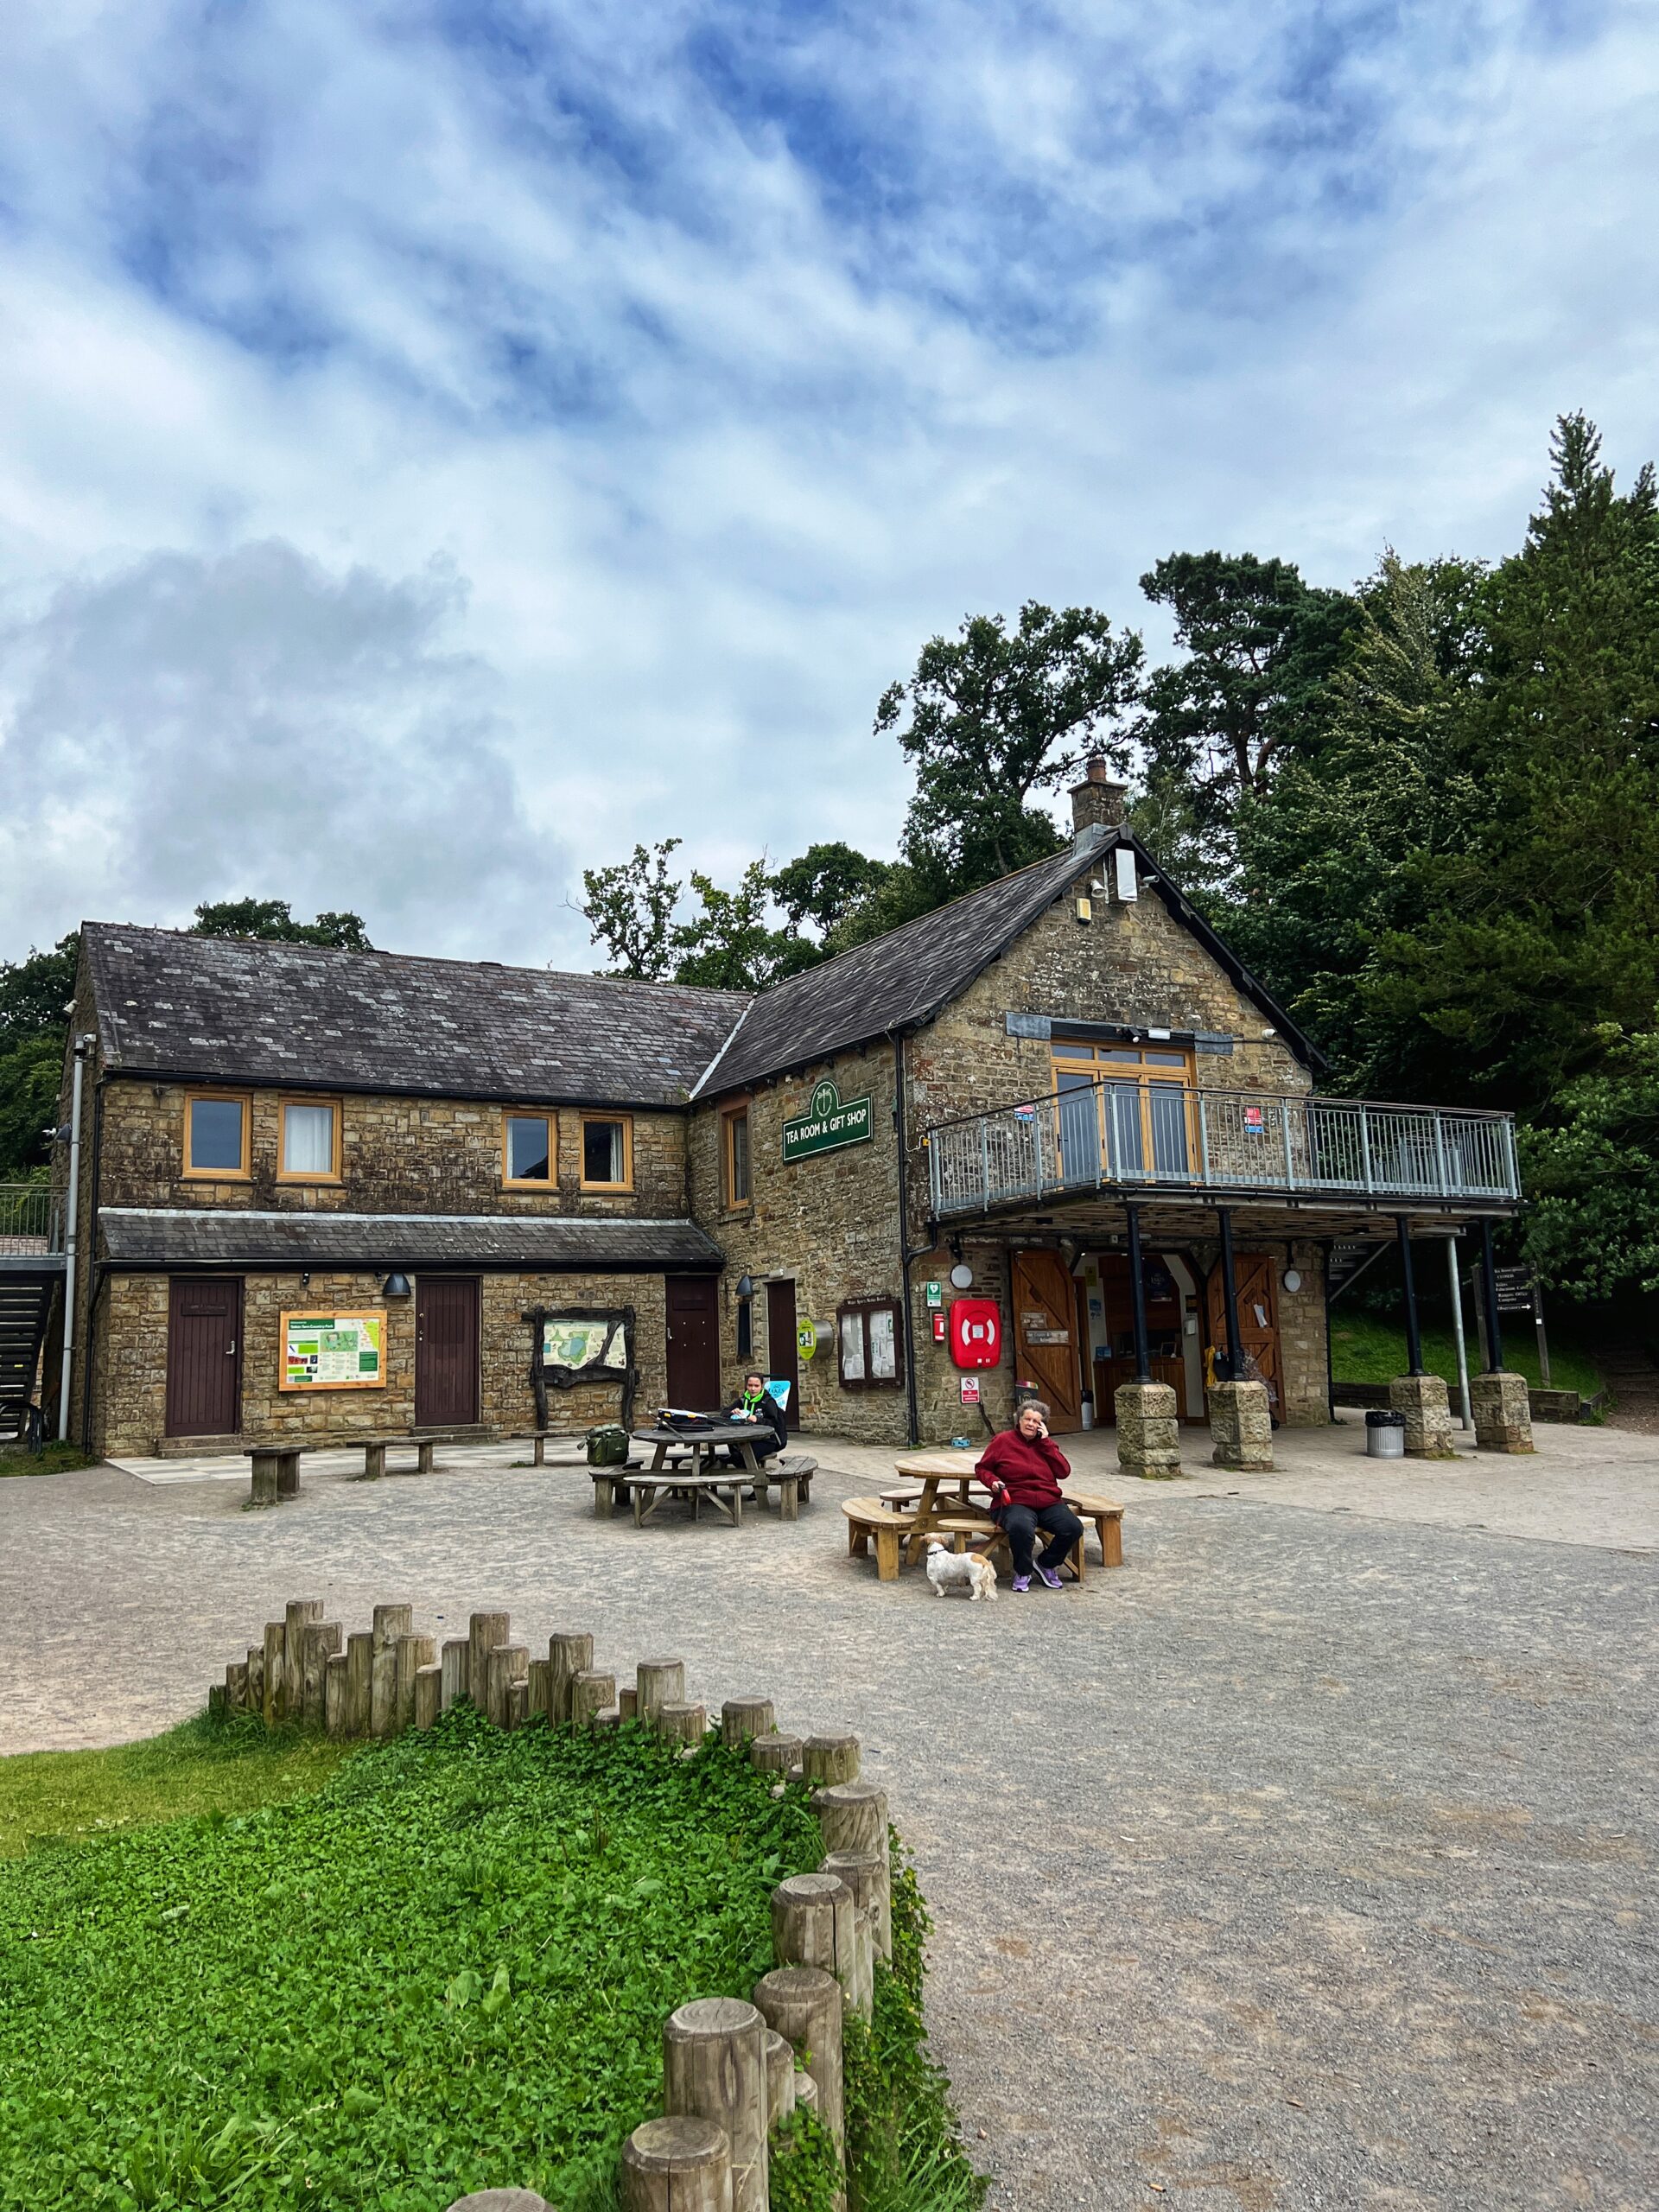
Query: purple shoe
[1021, 1582]
[1051, 1579]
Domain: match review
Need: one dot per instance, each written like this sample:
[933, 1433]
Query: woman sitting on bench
[1022, 1468]
[757, 1404]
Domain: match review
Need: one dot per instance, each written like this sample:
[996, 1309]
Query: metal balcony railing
[31, 1220]
[1127, 1136]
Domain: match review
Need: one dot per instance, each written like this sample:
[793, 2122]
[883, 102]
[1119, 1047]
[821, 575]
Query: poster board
[333, 1351]
[574, 1342]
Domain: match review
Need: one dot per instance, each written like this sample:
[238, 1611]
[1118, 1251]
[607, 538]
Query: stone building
[333, 1193]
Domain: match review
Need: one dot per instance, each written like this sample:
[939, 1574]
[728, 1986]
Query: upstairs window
[310, 1142]
[607, 1153]
[526, 1151]
[216, 1135]
[735, 1147]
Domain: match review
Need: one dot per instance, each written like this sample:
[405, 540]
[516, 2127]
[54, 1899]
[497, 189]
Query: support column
[1241, 1426]
[1456, 1286]
[1421, 1397]
[1149, 1433]
[1502, 1409]
[1137, 1298]
[1228, 1294]
[1414, 1335]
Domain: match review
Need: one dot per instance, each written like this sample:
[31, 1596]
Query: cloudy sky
[442, 444]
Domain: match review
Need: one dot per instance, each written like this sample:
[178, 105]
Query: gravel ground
[1306, 1862]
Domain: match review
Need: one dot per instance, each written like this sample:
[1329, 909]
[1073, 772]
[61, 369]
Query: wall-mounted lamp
[305, 1278]
[396, 1284]
[746, 1286]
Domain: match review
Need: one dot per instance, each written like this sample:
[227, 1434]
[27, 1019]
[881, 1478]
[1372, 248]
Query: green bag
[608, 1445]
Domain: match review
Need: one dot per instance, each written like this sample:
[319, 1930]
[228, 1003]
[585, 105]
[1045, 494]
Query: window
[736, 1143]
[215, 1134]
[867, 1339]
[1123, 1112]
[310, 1142]
[526, 1154]
[607, 1153]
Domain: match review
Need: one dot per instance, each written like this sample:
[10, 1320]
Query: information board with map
[333, 1351]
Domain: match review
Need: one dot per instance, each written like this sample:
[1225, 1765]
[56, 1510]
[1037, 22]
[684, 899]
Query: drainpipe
[1465, 1419]
[72, 1231]
[905, 1255]
[92, 1284]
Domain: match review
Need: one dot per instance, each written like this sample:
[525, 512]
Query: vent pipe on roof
[1097, 802]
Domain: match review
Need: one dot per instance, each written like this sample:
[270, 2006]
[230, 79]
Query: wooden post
[742, 1719]
[803, 2004]
[484, 1632]
[815, 1922]
[807, 2090]
[390, 1622]
[517, 1703]
[536, 1688]
[275, 1675]
[507, 1663]
[714, 2067]
[301, 1611]
[429, 1695]
[236, 1685]
[679, 2164]
[336, 1694]
[414, 1652]
[256, 1679]
[870, 1880]
[569, 1653]
[661, 1682]
[591, 1694]
[680, 1723]
[452, 1662]
[218, 1701]
[852, 1816]
[627, 1703]
[775, 1754]
[828, 1759]
[321, 1640]
[360, 1682]
[780, 2077]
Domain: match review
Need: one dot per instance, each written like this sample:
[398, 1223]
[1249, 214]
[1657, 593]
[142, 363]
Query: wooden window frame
[547, 1183]
[285, 1174]
[864, 1307]
[729, 1117]
[244, 1172]
[610, 1122]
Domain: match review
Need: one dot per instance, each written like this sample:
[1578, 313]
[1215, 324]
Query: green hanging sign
[827, 1124]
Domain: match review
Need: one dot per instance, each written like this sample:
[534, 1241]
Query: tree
[1592, 1225]
[994, 716]
[629, 909]
[34, 995]
[728, 944]
[272, 919]
[825, 884]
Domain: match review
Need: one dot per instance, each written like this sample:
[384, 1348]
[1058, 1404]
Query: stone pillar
[1148, 1438]
[1240, 1425]
[1422, 1399]
[1503, 1412]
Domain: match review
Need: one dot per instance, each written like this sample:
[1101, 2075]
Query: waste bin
[1385, 1436]
[607, 1446]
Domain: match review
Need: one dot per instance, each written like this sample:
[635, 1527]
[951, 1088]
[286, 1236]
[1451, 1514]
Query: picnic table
[686, 1463]
[929, 1473]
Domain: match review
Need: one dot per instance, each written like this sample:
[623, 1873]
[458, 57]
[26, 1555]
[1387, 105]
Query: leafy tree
[728, 944]
[630, 910]
[825, 884]
[35, 992]
[994, 716]
[1592, 1227]
[272, 919]
[34, 995]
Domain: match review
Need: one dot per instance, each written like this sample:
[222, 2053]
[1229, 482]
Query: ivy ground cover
[447, 1969]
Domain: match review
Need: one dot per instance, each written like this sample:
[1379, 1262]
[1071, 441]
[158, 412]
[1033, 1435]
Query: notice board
[333, 1351]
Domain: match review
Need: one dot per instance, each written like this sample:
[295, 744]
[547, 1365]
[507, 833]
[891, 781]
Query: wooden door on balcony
[446, 1351]
[1127, 1110]
[1045, 1334]
[1258, 1314]
[204, 1355]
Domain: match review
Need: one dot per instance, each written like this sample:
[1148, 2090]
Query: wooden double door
[1258, 1313]
[1045, 1340]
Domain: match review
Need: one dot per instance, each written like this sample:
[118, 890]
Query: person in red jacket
[1022, 1470]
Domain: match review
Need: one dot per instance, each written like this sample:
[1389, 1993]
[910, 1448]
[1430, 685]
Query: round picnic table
[705, 1476]
[703, 1443]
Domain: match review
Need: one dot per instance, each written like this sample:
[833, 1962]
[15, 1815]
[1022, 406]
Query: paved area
[1306, 1862]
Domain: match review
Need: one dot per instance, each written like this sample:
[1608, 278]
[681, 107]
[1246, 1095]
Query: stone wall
[131, 1357]
[399, 1155]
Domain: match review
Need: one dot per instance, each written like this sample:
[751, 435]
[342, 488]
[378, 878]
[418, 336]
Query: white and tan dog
[972, 1569]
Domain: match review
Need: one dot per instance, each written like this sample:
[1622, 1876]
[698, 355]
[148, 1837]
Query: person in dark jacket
[757, 1404]
[1022, 1468]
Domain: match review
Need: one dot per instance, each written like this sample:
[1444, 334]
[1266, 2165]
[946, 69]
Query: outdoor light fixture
[1292, 1278]
[746, 1286]
[396, 1284]
[962, 1276]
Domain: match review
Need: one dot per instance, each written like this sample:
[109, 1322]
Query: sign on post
[333, 1351]
[1517, 1289]
[828, 1123]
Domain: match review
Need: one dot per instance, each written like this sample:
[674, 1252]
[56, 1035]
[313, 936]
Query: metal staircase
[31, 1269]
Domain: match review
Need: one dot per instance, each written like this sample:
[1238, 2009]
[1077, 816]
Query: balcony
[1129, 1137]
[31, 1221]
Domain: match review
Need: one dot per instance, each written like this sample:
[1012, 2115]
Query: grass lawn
[1365, 1349]
[381, 1981]
[53, 1459]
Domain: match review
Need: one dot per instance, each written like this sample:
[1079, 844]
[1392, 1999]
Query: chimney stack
[1097, 800]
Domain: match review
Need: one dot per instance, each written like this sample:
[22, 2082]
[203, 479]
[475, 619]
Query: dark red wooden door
[204, 1355]
[693, 1343]
[446, 1352]
[782, 1355]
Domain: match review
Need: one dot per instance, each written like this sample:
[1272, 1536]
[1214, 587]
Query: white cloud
[727, 352]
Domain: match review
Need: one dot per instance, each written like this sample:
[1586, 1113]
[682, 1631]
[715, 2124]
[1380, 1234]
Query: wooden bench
[276, 1471]
[646, 1489]
[790, 1474]
[889, 1527]
[1105, 1513]
[375, 1449]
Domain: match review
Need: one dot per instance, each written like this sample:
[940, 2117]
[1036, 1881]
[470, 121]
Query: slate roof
[159, 1236]
[243, 1010]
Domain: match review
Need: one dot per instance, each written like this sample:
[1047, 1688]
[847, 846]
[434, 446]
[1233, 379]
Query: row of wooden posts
[731, 2070]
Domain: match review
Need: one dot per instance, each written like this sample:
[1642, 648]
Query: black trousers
[763, 1446]
[1058, 1523]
